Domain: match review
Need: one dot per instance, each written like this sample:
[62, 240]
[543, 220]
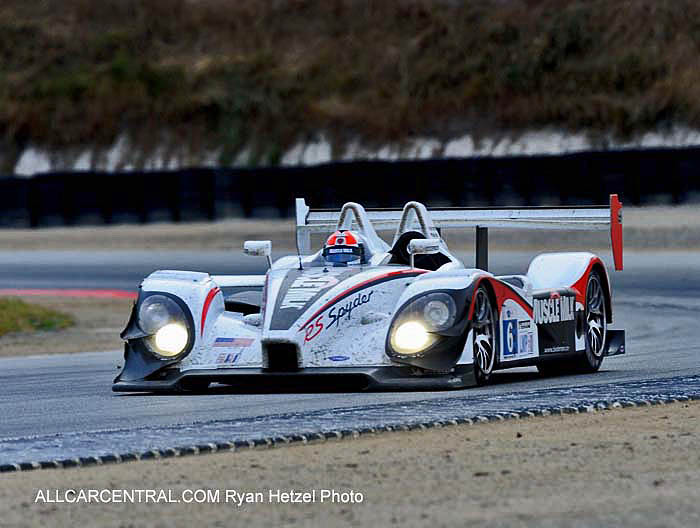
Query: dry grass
[264, 75]
[95, 326]
[17, 315]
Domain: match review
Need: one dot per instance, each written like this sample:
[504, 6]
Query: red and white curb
[56, 292]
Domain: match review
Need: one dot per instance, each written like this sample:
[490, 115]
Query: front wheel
[484, 334]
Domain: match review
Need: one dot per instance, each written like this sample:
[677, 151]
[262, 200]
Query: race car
[361, 313]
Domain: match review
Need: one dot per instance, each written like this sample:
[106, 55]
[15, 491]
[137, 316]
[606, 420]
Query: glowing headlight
[157, 311]
[166, 325]
[410, 337]
[171, 339]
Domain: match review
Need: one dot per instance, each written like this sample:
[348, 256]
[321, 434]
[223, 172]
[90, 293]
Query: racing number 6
[510, 337]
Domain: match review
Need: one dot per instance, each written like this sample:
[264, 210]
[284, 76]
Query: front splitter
[319, 378]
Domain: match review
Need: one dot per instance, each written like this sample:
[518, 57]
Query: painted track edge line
[70, 292]
[344, 434]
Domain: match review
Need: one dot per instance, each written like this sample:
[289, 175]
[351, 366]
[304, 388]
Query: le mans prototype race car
[363, 314]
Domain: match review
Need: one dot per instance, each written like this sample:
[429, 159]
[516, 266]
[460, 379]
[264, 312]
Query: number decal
[510, 337]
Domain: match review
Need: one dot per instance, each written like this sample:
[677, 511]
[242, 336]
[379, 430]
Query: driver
[345, 248]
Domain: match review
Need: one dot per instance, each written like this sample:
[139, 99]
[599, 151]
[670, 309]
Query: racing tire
[596, 327]
[485, 342]
[595, 333]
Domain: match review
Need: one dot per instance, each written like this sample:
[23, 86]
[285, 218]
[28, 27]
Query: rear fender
[552, 271]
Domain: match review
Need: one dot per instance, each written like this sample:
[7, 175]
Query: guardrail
[72, 198]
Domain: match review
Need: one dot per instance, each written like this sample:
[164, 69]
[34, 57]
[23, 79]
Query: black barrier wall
[70, 198]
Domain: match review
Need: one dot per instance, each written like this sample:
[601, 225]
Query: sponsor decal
[339, 358]
[523, 325]
[557, 349]
[228, 359]
[526, 344]
[510, 337]
[233, 342]
[362, 285]
[305, 288]
[338, 313]
[556, 309]
[555, 318]
[312, 330]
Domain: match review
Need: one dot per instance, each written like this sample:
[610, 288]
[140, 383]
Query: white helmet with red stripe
[345, 247]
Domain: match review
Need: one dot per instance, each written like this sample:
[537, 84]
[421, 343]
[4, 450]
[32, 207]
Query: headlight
[410, 338]
[157, 311]
[171, 339]
[419, 323]
[439, 311]
[166, 325]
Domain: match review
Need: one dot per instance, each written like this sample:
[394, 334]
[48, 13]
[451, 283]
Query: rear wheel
[595, 328]
[596, 324]
[484, 334]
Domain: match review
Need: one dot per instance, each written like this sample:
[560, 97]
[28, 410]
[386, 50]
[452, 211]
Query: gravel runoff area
[98, 323]
[634, 467]
[654, 227]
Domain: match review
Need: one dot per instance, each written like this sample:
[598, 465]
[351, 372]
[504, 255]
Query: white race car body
[306, 321]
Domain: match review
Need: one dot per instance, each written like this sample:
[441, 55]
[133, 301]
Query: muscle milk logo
[554, 310]
[305, 288]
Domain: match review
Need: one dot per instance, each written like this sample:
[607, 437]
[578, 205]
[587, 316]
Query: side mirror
[258, 248]
[423, 246]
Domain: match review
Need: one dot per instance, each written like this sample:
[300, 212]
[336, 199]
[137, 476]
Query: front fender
[445, 354]
[204, 303]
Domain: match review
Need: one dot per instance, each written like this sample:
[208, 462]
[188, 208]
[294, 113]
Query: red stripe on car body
[502, 292]
[582, 283]
[363, 284]
[207, 303]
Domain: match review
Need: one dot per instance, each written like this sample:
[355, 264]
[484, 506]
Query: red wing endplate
[616, 230]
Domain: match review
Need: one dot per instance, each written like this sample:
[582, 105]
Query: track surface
[59, 406]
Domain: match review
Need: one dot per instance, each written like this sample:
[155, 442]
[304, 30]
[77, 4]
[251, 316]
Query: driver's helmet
[344, 248]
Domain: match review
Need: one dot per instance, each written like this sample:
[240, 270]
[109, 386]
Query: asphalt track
[62, 406]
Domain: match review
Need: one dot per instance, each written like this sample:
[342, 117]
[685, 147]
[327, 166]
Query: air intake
[282, 357]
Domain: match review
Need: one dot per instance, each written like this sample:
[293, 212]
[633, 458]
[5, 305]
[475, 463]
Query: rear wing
[574, 218]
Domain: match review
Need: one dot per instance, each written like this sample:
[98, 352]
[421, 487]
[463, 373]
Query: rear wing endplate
[574, 218]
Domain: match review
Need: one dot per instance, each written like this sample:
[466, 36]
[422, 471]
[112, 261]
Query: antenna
[299, 252]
